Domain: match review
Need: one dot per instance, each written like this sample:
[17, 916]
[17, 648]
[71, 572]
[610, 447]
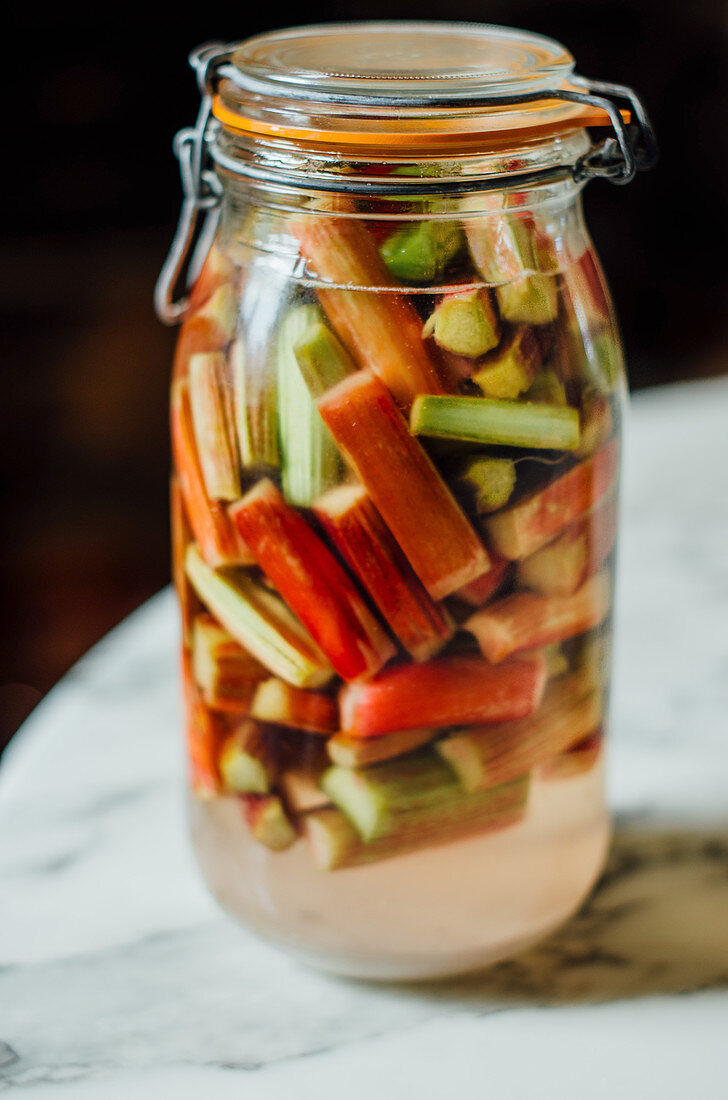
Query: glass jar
[396, 410]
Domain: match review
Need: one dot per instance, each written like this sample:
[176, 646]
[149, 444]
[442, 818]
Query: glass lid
[400, 61]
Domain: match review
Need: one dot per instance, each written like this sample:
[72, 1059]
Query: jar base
[441, 911]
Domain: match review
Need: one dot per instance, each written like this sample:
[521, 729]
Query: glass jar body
[395, 427]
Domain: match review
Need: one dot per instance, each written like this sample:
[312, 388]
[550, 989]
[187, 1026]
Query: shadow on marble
[657, 922]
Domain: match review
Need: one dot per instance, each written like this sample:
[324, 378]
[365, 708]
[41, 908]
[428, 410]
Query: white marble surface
[120, 978]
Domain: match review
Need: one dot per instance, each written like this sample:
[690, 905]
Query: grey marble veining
[119, 977]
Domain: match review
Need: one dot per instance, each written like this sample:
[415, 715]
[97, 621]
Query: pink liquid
[444, 910]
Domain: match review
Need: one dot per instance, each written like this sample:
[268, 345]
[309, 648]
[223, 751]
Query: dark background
[92, 198]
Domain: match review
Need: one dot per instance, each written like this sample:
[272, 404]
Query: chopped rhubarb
[312, 582]
[212, 420]
[484, 588]
[353, 752]
[205, 733]
[413, 500]
[364, 541]
[532, 300]
[268, 821]
[335, 842]
[491, 480]
[491, 421]
[526, 621]
[310, 461]
[260, 622]
[499, 242]
[322, 359]
[559, 568]
[226, 674]
[415, 796]
[182, 536]
[512, 367]
[597, 425]
[216, 271]
[465, 323]
[446, 692]
[420, 253]
[524, 527]
[250, 759]
[217, 538]
[487, 757]
[255, 410]
[382, 331]
[285, 705]
[210, 328]
[301, 791]
[575, 761]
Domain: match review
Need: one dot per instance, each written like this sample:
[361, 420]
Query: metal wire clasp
[201, 189]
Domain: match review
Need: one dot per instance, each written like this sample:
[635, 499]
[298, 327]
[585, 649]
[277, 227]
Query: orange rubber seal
[490, 128]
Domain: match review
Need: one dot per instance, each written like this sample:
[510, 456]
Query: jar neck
[288, 176]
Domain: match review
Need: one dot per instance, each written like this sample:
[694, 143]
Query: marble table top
[119, 977]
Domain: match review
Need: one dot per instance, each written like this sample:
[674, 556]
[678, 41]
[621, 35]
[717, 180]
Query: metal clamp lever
[201, 190]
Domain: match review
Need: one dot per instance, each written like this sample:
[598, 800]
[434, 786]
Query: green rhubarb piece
[414, 797]
[322, 358]
[493, 480]
[247, 761]
[420, 253]
[259, 621]
[465, 324]
[547, 388]
[255, 410]
[511, 368]
[505, 423]
[268, 821]
[310, 461]
[531, 300]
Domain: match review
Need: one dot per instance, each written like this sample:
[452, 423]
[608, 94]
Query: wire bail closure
[631, 148]
[202, 192]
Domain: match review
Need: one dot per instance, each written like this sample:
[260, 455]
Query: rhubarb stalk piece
[182, 536]
[450, 691]
[250, 759]
[309, 458]
[420, 253]
[336, 844]
[382, 331]
[479, 591]
[204, 732]
[525, 621]
[210, 328]
[487, 420]
[414, 797]
[368, 548]
[597, 425]
[311, 581]
[218, 541]
[492, 481]
[575, 761]
[559, 568]
[523, 528]
[216, 271]
[465, 323]
[321, 357]
[255, 410]
[226, 674]
[548, 389]
[353, 752]
[260, 622]
[512, 367]
[285, 705]
[413, 500]
[487, 757]
[499, 243]
[532, 300]
[211, 405]
[301, 791]
[268, 822]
